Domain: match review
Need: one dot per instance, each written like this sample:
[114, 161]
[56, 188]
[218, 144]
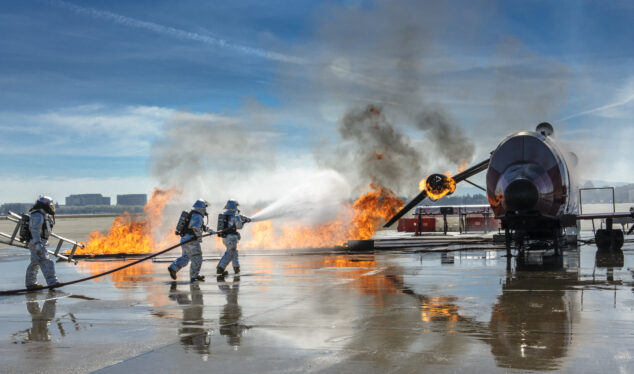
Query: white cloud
[95, 129]
[620, 107]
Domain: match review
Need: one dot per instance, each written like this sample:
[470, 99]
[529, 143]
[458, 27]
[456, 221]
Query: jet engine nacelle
[528, 174]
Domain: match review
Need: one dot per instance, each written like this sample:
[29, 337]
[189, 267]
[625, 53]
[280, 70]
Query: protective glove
[209, 230]
[245, 219]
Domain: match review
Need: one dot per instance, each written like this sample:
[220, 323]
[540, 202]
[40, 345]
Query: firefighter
[192, 251]
[229, 222]
[41, 221]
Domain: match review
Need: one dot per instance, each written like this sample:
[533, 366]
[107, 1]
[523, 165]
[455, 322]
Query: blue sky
[86, 87]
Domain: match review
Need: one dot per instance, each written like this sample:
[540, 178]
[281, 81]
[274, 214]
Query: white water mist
[314, 200]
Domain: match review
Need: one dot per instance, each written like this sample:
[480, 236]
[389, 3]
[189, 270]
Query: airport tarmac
[320, 311]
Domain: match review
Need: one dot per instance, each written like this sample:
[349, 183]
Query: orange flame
[437, 189]
[369, 211]
[372, 209]
[462, 167]
[379, 156]
[133, 235]
[436, 193]
[496, 200]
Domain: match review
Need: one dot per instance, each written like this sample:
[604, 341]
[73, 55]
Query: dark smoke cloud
[448, 139]
[373, 149]
[378, 63]
[379, 151]
[447, 81]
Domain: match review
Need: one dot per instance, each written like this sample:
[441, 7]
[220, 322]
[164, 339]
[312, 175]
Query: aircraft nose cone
[521, 194]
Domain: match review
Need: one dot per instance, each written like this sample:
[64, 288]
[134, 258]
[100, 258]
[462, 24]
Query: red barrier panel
[428, 224]
[407, 224]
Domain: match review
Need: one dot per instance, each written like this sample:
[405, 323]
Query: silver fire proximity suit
[235, 222]
[40, 227]
[192, 250]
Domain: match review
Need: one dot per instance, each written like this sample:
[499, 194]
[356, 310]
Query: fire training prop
[438, 185]
[14, 240]
[13, 292]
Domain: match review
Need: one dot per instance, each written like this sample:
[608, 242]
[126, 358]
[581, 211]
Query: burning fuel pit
[360, 245]
[353, 228]
[131, 235]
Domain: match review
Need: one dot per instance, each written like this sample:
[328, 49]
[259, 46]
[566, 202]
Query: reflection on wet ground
[192, 331]
[230, 320]
[298, 311]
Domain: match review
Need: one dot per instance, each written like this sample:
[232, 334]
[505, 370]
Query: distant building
[15, 207]
[132, 199]
[87, 199]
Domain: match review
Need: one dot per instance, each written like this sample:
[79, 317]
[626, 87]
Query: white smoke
[216, 158]
[313, 201]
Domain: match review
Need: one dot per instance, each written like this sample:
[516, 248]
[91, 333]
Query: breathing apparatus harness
[49, 215]
[182, 227]
[224, 228]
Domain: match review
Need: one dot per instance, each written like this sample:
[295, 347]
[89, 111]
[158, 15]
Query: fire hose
[58, 285]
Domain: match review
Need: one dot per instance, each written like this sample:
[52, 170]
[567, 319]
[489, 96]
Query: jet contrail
[599, 109]
[178, 33]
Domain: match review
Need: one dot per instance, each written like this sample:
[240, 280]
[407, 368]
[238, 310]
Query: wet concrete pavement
[308, 311]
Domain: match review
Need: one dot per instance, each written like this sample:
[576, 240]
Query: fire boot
[221, 271]
[236, 269]
[172, 272]
[34, 286]
[198, 278]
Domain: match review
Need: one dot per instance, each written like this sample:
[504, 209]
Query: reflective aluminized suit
[40, 227]
[231, 241]
[192, 250]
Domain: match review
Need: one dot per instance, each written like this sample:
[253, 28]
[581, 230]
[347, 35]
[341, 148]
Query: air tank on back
[528, 174]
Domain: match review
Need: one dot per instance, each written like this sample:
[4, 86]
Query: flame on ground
[371, 210]
[362, 220]
[133, 235]
[358, 221]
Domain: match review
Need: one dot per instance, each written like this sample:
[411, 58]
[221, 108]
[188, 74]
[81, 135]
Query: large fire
[358, 221]
[368, 212]
[133, 235]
